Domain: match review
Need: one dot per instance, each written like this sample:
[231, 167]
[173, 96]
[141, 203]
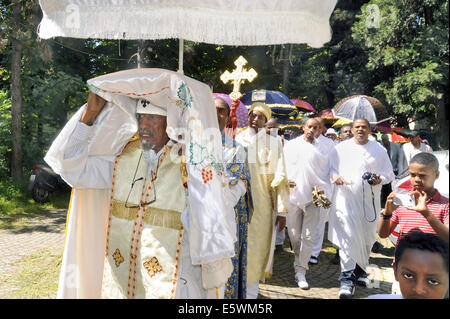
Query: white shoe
[346, 291]
[301, 281]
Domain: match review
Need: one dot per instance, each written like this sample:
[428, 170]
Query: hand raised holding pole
[93, 108]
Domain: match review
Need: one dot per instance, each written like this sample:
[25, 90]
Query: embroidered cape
[235, 158]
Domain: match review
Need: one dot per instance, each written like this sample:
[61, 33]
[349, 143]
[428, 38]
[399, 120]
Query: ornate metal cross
[238, 76]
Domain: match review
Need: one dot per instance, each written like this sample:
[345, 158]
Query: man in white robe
[165, 253]
[356, 205]
[306, 168]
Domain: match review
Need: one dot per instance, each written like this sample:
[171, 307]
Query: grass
[17, 207]
[34, 276]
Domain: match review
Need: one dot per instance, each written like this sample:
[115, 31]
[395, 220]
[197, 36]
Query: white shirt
[307, 166]
[410, 150]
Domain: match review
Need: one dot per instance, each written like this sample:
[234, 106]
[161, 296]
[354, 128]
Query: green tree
[406, 43]
[337, 70]
[19, 19]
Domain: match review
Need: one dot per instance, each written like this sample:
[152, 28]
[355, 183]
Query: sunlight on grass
[35, 276]
[16, 198]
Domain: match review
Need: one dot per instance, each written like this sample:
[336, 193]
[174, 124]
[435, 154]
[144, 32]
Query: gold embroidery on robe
[153, 267]
[152, 235]
[118, 257]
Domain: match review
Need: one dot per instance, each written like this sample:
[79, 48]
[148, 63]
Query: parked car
[44, 181]
[402, 184]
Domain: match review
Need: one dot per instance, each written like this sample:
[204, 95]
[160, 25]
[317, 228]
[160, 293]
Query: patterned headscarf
[261, 107]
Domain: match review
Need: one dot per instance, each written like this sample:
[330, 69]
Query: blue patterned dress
[235, 158]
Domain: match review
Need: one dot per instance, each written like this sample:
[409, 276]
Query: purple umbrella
[241, 111]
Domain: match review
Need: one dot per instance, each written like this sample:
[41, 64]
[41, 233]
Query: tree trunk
[441, 117]
[286, 71]
[16, 99]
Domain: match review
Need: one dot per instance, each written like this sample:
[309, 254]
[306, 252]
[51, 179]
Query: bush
[16, 198]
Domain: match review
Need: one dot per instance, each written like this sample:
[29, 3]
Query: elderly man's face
[152, 131]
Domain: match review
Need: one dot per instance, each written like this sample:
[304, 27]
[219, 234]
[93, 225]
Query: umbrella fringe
[209, 22]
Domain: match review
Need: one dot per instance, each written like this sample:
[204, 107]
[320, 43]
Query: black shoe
[278, 248]
[360, 276]
[377, 247]
[336, 260]
[313, 260]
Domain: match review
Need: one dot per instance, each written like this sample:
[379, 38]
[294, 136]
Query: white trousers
[318, 241]
[302, 229]
[346, 262]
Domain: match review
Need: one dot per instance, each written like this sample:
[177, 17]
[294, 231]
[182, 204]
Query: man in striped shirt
[431, 210]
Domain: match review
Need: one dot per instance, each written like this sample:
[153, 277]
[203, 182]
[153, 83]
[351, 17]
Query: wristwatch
[385, 217]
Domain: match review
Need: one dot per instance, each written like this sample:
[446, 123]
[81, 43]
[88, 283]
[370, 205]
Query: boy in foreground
[420, 267]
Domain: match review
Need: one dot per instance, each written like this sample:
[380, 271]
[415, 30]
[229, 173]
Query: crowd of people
[164, 239]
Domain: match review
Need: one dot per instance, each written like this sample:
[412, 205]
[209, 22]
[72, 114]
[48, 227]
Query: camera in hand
[369, 177]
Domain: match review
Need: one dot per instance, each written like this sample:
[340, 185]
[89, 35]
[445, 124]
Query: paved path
[47, 231]
[323, 277]
[43, 232]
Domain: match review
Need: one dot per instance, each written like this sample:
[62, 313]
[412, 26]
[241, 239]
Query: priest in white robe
[356, 205]
[270, 194]
[144, 220]
[307, 168]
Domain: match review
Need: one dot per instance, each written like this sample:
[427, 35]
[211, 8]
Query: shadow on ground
[322, 277]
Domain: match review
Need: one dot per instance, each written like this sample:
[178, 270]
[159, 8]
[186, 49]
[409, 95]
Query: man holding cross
[237, 77]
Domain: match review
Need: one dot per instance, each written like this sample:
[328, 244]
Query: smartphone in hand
[405, 200]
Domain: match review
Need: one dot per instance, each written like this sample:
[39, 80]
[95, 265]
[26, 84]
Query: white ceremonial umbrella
[233, 22]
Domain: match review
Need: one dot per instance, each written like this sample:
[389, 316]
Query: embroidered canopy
[243, 22]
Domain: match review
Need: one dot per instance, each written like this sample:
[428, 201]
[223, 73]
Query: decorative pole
[180, 55]
[238, 76]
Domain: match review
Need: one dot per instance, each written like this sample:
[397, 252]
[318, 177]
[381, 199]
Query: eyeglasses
[142, 204]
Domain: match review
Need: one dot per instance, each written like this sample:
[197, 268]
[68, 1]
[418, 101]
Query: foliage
[15, 198]
[407, 52]
[401, 59]
[5, 132]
